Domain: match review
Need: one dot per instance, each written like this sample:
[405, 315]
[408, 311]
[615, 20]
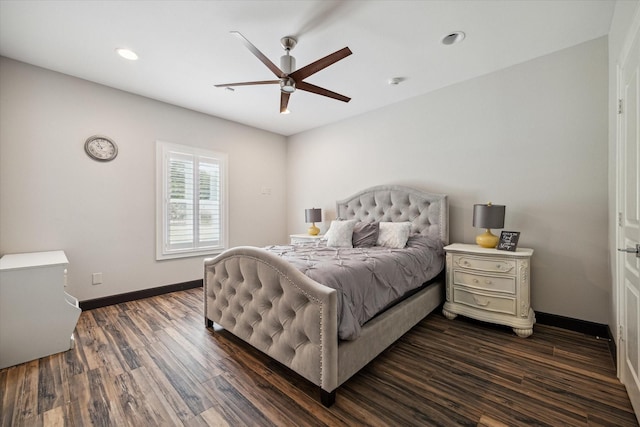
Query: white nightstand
[304, 238]
[490, 285]
[37, 317]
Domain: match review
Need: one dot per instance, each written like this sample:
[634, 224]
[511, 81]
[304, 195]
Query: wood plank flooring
[152, 362]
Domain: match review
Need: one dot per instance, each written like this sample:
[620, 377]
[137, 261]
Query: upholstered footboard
[268, 303]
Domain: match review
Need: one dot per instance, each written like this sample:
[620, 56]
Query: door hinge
[619, 106]
[619, 219]
[620, 336]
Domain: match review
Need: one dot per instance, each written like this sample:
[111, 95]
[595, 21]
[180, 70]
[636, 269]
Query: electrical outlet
[96, 278]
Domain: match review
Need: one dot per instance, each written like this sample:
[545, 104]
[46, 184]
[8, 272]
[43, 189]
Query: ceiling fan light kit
[287, 85]
[289, 78]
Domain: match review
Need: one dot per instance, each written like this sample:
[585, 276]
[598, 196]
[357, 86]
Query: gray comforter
[367, 279]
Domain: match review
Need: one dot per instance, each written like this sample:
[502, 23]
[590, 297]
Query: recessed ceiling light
[127, 54]
[453, 38]
[395, 80]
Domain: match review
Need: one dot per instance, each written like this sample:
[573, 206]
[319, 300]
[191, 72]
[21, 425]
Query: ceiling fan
[289, 78]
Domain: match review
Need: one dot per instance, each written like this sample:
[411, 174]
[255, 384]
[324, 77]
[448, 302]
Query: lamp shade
[313, 215]
[488, 216]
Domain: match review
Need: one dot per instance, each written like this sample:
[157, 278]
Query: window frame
[163, 251]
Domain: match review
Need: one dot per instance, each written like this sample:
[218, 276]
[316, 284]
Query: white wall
[53, 196]
[532, 137]
[540, 127]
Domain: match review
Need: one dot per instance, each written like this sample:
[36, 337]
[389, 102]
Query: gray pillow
[365, 234]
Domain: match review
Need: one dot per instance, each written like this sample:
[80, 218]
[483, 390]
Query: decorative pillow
[365, 234]
[394, 234]
[340, 234]
[327, 234]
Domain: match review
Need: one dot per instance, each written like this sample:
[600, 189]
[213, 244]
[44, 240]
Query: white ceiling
[185, 48]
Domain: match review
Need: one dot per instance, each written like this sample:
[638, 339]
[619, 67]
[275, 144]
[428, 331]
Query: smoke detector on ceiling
[453, 38]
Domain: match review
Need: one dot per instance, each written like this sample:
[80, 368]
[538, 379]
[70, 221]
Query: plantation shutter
[209, 202]
[193, 190]
[181, 209]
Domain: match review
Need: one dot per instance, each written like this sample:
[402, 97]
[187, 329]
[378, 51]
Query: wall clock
[101, 148]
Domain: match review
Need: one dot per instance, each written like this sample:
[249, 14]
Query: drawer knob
[481, 301]
[486, 281]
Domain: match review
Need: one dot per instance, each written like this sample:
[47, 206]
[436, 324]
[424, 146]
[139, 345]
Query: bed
[267, 301]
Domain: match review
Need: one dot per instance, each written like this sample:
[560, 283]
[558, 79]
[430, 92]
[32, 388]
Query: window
[191, 201]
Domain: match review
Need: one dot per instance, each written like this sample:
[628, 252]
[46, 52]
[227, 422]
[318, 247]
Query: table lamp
[313, 215]
[488, 216]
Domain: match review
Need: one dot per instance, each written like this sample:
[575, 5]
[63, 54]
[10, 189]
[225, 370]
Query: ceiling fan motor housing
[287, 63]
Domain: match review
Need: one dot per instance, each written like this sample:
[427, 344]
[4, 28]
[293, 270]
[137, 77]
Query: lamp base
[314, 231]
[487, 240]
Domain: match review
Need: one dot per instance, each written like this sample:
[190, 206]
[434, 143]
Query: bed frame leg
[327, 398]
[208, 323]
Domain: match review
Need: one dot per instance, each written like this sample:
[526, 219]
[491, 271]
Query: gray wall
[53, 196]
[532, 137]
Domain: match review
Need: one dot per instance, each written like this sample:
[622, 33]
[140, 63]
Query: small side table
[490, 285]
[37, 317]
[304, 238]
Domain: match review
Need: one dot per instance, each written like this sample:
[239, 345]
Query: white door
[629, 223]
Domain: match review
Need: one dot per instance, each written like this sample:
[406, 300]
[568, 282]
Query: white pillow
[328, 233]
[394, 234]
[340, 234]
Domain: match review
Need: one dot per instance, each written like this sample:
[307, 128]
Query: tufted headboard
[428, 212]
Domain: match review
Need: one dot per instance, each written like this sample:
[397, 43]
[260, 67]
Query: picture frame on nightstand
[508, 241]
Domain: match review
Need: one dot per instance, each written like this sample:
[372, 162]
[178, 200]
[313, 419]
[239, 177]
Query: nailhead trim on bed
[238, 311]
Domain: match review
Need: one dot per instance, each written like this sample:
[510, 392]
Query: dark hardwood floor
[152, 362]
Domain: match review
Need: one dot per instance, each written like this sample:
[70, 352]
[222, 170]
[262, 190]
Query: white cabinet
[490, 285]
[304, 238]
[37, 317]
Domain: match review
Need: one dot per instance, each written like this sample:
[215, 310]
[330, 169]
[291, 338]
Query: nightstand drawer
[490, 283]
[485, 302]
[485, 264]
[297, 239]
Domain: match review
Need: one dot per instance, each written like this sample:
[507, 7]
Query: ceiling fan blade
[284, 101]
[320, 64]
[308, 87]
[262, 82]
[266, 61]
